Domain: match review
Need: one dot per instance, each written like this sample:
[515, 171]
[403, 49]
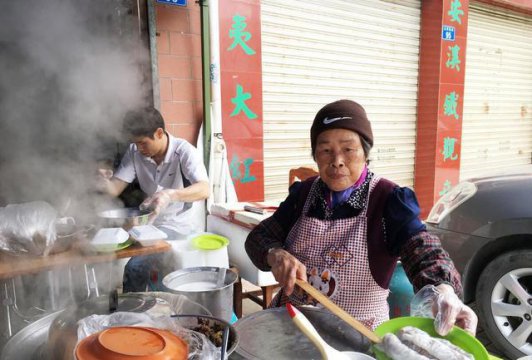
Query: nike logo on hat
[327, 121]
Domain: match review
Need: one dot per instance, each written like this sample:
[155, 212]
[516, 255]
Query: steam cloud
[69, 71]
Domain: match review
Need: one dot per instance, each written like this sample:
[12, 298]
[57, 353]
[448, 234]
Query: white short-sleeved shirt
[181, 159]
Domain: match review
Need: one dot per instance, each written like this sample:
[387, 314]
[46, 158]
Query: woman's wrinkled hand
[286, 269]
[449, 310]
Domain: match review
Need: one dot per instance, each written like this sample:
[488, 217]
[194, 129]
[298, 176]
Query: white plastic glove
[158, 201]
[441, 303]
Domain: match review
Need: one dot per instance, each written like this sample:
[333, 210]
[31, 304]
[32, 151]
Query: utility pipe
[152, 31]
[222, 187]
[206, 81]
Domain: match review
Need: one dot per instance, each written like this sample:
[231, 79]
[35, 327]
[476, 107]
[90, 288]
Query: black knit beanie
[341, 114]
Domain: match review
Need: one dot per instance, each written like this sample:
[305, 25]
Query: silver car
[486, 226]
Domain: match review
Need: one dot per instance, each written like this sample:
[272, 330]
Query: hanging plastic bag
[28, 228]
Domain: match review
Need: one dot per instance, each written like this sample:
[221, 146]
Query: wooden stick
[335, 309]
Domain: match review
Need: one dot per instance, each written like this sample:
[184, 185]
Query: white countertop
[235, 212]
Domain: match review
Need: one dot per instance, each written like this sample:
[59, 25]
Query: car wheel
[504, 300]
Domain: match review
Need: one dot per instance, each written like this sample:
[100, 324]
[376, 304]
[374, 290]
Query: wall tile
[195, 22]
[174, 67]
[183, 89]
[163, 42]
[197, 69]
[165, 85]
[175, 112]
[172, 18]
[189, 132]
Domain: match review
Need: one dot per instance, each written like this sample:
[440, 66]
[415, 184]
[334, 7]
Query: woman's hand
[449, 310]
[286, 269]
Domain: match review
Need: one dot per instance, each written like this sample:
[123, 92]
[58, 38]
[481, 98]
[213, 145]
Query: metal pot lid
[29, 343]
[271, 334]
[135, 302]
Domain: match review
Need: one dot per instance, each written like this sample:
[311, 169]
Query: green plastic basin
[457, 336]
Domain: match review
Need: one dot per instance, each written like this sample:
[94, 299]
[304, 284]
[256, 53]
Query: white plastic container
[184, 256]
[110, 239]
[147, 235]
[212, 249]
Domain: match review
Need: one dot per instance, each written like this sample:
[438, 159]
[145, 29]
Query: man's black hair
[143, 122]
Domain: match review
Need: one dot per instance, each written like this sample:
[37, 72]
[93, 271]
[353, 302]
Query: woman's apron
[335, 254]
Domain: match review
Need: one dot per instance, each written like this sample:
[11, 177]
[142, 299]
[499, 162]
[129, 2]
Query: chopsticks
[225, 339]
[335, 309]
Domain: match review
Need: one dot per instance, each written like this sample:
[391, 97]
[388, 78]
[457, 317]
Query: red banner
[241, 84]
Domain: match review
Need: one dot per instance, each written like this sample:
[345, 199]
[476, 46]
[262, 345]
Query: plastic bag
[180, 304]
[199, 347]
[28, 228]
[445, 307]
[423, 301]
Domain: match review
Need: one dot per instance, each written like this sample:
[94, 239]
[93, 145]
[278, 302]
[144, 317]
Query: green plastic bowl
[457, 336]
[209, 242]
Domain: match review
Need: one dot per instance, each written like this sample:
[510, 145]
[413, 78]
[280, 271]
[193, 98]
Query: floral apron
[335, 254]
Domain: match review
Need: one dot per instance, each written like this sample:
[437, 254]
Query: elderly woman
[344, 230]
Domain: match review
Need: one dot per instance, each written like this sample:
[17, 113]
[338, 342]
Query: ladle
[335, 309]
[327, 351]
[220, 282]
[225, 340]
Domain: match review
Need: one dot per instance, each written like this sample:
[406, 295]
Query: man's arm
[161, 199]
[109, 184]
[194, 192]
[116, 186]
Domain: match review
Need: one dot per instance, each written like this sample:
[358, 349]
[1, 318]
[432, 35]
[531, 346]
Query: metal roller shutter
[497, 121]
[315, 52]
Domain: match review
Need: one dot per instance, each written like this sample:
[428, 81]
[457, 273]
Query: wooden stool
[302, 173]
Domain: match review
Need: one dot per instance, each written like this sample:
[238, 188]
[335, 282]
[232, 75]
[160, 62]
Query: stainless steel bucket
[200, 284]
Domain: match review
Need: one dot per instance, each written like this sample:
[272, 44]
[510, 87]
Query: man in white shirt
[172, 175]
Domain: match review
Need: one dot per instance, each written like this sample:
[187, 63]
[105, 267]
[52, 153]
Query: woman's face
[340, 158]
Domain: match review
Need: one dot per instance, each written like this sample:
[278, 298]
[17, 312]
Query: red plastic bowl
[132, 343]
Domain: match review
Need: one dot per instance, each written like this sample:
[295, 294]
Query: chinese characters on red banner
[452, 65]
[241, 75]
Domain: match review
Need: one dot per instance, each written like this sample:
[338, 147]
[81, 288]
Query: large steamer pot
[30, 342]
[62, 336]
[203, 286]
[272, 334]
[54, 337]
[124, 217]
